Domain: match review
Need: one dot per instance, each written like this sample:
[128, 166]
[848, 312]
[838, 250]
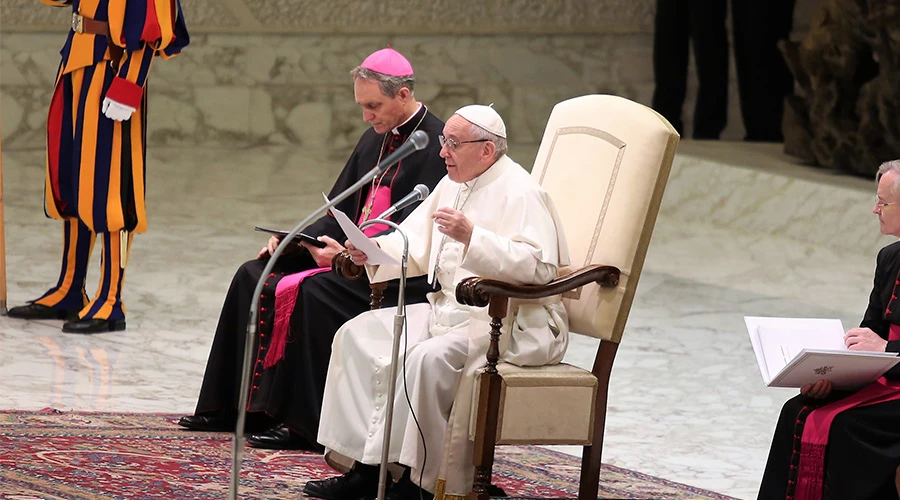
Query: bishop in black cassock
[846, 444]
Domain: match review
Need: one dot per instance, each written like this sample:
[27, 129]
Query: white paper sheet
[781, 344]
[828, 331]
[377, 256]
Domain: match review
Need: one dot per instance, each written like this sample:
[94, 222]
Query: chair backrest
[605, 161]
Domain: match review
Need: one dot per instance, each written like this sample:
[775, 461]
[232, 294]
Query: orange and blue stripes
[69, 292]
[107, 303]
[132, 25]
[95, 166]
[95, 180]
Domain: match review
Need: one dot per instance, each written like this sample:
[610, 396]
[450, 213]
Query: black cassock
[291, 391]
[863, 449]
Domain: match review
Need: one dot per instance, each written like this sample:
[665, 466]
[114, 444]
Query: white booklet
[792, 352]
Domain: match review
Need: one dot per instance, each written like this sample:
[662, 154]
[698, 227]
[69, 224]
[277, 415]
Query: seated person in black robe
[383, 87]
[861, 458]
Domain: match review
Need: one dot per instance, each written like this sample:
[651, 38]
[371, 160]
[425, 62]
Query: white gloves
[116, 110]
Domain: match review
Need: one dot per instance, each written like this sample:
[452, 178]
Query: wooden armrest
[344, 267]
[478, 292]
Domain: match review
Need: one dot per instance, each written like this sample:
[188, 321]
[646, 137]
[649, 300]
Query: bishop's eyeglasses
[880, 204]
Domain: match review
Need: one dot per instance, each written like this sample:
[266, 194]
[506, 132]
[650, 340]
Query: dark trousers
[763, 77]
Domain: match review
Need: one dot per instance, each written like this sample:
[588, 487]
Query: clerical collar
[491, 174]
[407, 126]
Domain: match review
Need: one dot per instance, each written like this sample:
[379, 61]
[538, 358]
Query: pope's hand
[356, 255]
[116, 110]
[454, 224]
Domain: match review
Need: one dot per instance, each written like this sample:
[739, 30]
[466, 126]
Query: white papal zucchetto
[485, 117]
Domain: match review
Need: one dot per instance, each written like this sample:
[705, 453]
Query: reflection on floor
[741, 231]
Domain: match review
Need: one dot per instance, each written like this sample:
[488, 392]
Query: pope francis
[487, 218]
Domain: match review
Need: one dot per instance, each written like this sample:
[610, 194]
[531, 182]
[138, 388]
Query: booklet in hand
[300, 237]
[793, 352]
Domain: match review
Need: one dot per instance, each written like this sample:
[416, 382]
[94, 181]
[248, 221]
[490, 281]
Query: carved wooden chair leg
[377, 295]
[489, 398]
[590, 461]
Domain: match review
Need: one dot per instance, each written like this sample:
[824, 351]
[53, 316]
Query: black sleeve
[885, 271]
[327, 225]
[874, 315]
[429, 167]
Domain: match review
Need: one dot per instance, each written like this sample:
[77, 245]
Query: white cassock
[518, 239]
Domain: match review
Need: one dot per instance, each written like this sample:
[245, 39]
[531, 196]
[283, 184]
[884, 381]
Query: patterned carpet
[73, 456]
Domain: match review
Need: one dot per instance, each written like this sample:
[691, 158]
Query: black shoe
[93, 325]
[360, 483]
[496, 491]
[405, 489]
[211, 422]
[281, 438]
[40, 311]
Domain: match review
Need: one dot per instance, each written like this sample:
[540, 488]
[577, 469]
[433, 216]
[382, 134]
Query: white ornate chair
[605, 161]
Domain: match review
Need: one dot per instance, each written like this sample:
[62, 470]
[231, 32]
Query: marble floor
[742, 231]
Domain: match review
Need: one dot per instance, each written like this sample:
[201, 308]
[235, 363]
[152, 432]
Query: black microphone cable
[410, 405]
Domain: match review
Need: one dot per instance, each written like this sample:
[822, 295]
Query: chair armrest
[344, 267]
[476, 291]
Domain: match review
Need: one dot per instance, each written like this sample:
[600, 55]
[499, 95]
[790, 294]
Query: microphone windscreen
[419, 139]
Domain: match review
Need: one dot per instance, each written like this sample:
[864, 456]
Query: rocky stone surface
[847, 69]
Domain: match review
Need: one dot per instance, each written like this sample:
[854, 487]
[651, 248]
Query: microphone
[418, 140]
[419, 193]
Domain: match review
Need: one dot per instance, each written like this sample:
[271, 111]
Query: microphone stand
[237, 449]
[399, 320]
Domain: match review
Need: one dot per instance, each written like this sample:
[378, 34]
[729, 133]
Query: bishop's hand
[864, 339]
[820, 390]
[273, 243]
[323, 256]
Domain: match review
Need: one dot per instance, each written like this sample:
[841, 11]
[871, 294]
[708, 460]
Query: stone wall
[276, 71]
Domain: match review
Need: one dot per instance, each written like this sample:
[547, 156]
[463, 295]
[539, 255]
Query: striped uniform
[96, 166]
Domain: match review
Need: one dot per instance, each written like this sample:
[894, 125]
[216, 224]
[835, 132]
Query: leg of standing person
[670, 59]
[763, 77]
[106, 312]
[69, 296]
[64, 300]
[710, 41]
